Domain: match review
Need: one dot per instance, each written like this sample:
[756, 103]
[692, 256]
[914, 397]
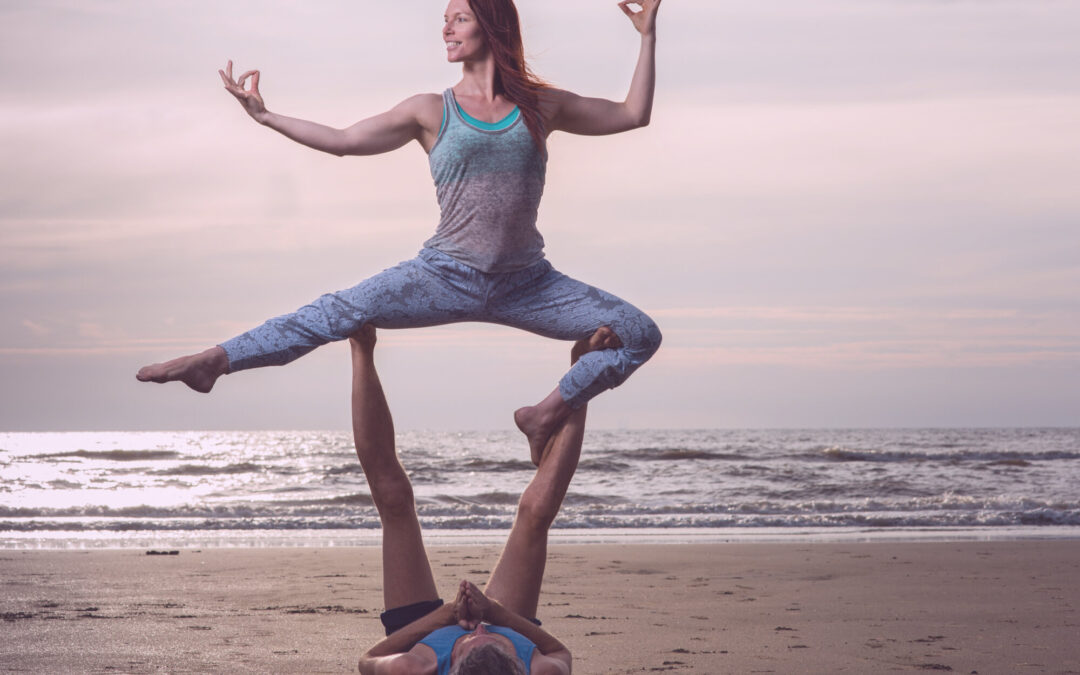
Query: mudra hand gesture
[471, 606]
[643, 19]
[251, 99]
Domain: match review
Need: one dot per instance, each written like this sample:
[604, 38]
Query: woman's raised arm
[597, 116]
[412, 119]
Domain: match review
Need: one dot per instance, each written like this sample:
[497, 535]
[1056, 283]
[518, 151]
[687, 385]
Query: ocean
[305, 488]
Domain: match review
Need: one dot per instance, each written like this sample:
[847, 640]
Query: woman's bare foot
[540, 422]
[198, 371]
[603, 338]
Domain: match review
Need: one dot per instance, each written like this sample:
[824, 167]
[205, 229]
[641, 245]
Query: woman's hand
[643, 19]
[251, 99]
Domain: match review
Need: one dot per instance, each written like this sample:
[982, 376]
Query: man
[423, 634]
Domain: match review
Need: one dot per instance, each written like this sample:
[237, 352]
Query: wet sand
[967, 607]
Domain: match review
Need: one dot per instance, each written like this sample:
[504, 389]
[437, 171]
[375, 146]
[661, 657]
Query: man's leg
[407, 577]
[515, 582]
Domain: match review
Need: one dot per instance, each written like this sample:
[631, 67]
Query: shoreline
[261, 539]
[803, 607]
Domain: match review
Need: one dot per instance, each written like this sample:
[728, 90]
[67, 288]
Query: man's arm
[556, 663]
[397, 664]
[480, 606]
[544, 641]
[393, 651]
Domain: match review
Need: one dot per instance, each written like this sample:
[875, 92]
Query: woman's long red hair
[513, 79]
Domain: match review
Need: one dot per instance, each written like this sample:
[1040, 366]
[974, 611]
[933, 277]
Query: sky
[845, 213]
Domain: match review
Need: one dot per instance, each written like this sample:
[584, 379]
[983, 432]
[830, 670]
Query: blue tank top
[442, 641]
[489, 179]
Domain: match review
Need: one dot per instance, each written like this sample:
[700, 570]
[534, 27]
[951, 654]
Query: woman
[423, 634]
[485, 140]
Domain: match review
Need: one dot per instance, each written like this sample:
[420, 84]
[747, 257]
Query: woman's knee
[642, 338]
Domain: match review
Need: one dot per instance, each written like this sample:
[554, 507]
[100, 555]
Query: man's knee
[393, 495]
[537, 511]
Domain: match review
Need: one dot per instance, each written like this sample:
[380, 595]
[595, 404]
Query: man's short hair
[488, 660]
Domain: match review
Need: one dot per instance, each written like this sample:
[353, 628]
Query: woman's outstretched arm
[598, 116]
[415, 118]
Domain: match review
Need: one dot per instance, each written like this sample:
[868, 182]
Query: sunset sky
[844, 214]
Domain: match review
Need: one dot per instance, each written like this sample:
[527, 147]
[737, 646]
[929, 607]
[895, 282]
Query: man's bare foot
[363, 340]
[198, 371]
[540, 422]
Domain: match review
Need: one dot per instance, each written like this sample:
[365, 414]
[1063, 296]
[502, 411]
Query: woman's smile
[463, 36]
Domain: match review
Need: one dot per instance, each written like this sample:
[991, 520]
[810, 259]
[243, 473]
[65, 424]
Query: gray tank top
[489, 179]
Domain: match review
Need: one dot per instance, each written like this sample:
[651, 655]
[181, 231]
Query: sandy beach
[966, 607]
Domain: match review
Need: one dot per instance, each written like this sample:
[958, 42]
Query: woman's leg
[198, 371]
[556, 306]
[515, 582]
[407, 577]
[428, 290]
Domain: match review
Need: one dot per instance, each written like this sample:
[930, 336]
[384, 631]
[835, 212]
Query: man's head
[488, 659]
[482, 652]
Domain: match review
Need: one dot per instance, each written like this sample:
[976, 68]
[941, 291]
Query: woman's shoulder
[553, 96]
[423, 104]
[552, 100]
[425, 110]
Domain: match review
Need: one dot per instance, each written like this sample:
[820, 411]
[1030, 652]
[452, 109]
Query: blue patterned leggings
[434, 289]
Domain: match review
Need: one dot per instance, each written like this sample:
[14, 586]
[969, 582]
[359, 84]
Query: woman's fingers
[644, 18]
[226, 75]
[646, 7]
[235, 85]
[245, 76]
[250, 99]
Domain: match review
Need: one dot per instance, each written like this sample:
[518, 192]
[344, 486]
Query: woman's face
[479, 637]
[462, 34]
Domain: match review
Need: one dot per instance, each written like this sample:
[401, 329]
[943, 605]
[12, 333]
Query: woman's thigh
[563, 308]
[413, 294]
